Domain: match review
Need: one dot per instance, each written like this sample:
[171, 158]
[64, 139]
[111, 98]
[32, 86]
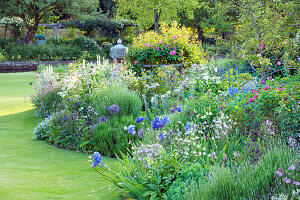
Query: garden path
[31, 169]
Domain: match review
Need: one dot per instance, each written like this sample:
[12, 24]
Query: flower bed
[198, 127]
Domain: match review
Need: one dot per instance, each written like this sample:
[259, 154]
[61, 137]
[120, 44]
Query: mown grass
[32, 169]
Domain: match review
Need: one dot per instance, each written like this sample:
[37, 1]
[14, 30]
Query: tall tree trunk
[156, 18]
[200, 34]
[31, 31]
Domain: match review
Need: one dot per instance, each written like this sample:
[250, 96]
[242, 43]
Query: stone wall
[11, 67]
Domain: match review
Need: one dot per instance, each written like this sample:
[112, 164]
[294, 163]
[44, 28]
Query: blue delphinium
[114, 109]
[160, 123]
[140, 119]
[97, 159]
[131, 129]
[156, 123]
[233, 91]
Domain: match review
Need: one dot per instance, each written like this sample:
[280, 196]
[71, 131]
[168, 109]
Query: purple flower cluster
[102, 119]
[160, 123]
[285, 179]
[175, 108]
[114, 109]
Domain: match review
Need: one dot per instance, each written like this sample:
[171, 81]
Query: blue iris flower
[140, 119]
[160, 123]
[179, 109]
[156, 123]
[131, 129]
[97, 159]
[165, 120]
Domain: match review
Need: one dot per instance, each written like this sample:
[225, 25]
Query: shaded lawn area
[32, 169]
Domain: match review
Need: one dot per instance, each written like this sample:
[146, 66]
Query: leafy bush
[173, 46]
[40, 37]
[87, 44]
[140, 182]
[118, 94]
[47, 52]
[111, 139]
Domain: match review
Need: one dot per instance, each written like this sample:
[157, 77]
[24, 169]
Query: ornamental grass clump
[116, 100]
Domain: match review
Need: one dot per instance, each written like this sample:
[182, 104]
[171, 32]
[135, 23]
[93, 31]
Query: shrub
[40, 37]
[47, 52]
[87, 44]
[111, 139]
[173, 46]
[118, 94]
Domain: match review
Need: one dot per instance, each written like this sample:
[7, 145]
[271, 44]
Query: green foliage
[247, 181]
[87, 44]
[47, 102]
[151, 48]
[111, 139]
[270, 24]
[40, 37]
[116, 93]
[14, 52]
[140, 182]
[149, 12]
[187, 180]
[93, 23]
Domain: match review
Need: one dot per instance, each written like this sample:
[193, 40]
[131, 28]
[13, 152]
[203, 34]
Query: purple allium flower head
[140, 119]
[279, 172]
[140, 133]
[102, 119]
[114, 109]
[97, 159]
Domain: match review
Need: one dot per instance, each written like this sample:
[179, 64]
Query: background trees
[148, 13]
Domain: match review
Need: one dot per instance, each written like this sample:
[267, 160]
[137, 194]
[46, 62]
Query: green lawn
[31, 169]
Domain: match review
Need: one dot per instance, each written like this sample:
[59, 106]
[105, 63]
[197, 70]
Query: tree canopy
[150, 12]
